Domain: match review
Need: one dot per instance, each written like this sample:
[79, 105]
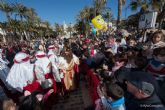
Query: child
[132, 42]
[112, 97]
[156, 65]
[111, 43]
[157, 41]
[9, 105]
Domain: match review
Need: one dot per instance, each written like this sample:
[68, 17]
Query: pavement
[78, 100]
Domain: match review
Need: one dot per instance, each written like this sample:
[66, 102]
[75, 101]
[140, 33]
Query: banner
[99, 22]
[147, 20]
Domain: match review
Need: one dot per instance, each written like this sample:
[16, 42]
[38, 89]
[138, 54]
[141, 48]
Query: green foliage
[146, 5]
[85, 16]
[59, 29]
[21, 18]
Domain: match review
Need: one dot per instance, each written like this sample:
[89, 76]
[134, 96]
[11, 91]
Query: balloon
[99, 22]
[94, 31]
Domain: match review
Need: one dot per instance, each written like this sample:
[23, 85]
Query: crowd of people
[130, 71]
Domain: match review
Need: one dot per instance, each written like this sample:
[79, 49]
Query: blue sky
[63, 10]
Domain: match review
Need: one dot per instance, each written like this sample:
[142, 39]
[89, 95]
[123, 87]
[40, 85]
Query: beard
[68, 57]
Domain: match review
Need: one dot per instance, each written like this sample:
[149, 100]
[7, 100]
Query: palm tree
[85, 14]
[133, 20]
[31, 14]
[3, 27]
[25, 22]
[14, 28]
[62, 30]
[59, 29]
[79, 27]
[99, 5]
[47, 24]
[120, 5]
[30, 23]
[48, 30]
[88, 13]
[84, 19]
[22, 14]
[107, 15]
[7, 9]
[21, 11]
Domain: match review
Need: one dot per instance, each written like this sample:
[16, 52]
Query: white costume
[54, 60]
[21, 73]
[43, 71]
[41, 66]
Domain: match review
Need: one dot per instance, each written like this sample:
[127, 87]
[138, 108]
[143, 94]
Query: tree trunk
[21, 37]
[21, 33]
[26, 35]
[4, 38]
[119, 13]
[3, 35]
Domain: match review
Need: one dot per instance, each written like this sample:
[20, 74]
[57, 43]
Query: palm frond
[134, 5]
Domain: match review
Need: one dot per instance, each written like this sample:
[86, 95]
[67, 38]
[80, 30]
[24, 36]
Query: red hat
[87, 41]
[40, 54]
[21, 57]
[51, 47]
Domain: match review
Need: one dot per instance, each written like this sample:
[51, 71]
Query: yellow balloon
[99, 22]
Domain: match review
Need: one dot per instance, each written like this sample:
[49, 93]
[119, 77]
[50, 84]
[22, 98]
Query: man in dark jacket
[142, 93]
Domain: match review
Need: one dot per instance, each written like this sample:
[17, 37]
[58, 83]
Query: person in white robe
[21, 73]
[52, 55]
[43, 73]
